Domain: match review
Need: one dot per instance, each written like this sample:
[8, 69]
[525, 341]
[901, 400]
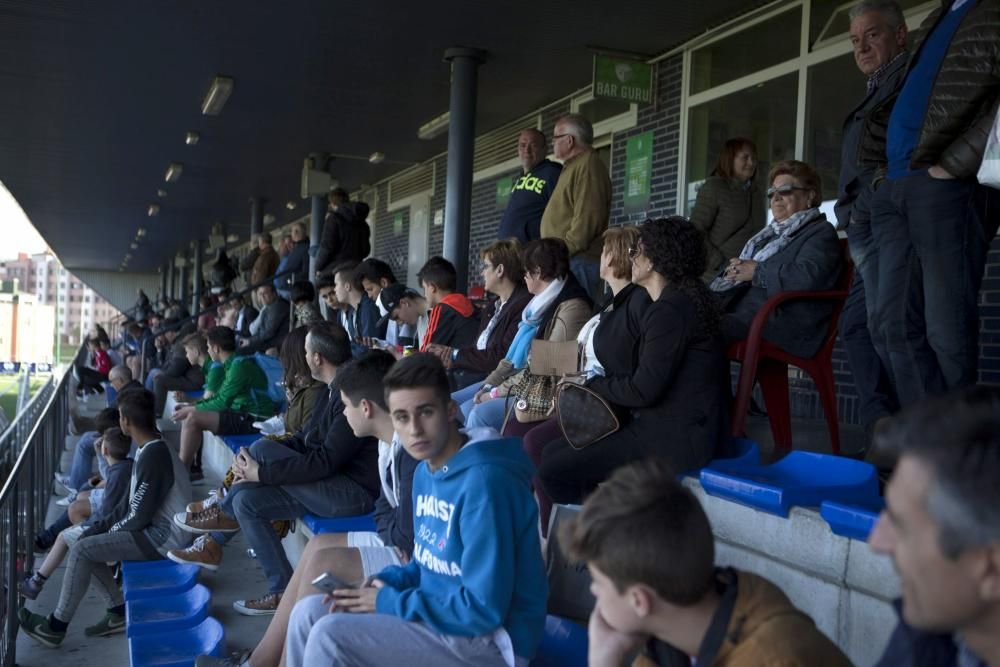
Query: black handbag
[584, 416]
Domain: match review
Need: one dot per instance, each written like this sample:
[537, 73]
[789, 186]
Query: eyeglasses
[634, 251]
[557, 137]
[784, 190]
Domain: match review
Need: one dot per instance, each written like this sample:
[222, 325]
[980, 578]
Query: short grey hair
[578, 125]
[957, 437]
[120, 372]
[890, 9]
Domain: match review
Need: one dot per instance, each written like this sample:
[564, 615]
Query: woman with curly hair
[674, 402]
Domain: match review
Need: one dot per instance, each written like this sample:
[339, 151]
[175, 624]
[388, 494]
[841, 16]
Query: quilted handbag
[584, 416]
[534, 394]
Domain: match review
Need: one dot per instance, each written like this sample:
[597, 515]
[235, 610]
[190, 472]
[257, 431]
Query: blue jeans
[871, 379]
[83, 460]
[464, 398]
[931, 240]
[488, 413]
[587, 272]
[255, 505]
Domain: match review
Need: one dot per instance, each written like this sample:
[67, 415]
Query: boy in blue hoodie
[475, 590]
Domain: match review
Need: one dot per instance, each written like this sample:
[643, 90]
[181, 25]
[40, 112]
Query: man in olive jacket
[580, 206]
[931, 220]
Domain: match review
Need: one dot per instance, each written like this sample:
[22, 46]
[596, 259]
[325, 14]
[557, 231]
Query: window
[829, 20]
[764, 113]
[828, 101]
[770, 42]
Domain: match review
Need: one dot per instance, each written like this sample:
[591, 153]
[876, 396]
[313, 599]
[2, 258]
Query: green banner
[623, 79]
[504, 187]
[638, 171]
[397, 224]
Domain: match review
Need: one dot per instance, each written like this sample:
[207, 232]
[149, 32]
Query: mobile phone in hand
[328, 583]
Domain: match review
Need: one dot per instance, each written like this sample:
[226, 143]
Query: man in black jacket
[346, 235]
[931, 220]
[176, 373]
[271, 325]
[941, 527]
[878, 38]
[323, 469]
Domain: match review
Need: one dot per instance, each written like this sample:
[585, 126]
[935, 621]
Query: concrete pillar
[256, 216]
[197, 246]
[182, 283]
[461, 140]
[316, 218]
[163, 288]
[171, 283]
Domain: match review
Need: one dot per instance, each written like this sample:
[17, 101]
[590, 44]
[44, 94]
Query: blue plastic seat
[744, 452]
[564, 644]
[234, 442]
[147, 616]
[195, 394]
[156, 579]
[344, 524]
[801, 478]
[178, 648]
[855, 521]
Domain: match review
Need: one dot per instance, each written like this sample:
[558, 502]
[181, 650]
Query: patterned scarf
[768, 242]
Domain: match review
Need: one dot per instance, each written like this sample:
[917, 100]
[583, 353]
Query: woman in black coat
[676, 395]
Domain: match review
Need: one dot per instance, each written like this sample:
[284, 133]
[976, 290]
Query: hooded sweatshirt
[477, 565]
[452, 323]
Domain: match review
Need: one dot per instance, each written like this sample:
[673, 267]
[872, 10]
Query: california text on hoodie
[477, 563]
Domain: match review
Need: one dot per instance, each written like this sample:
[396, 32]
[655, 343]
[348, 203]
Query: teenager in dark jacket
[346, 235]
[452, 319]
[503, 275]
[323, 469]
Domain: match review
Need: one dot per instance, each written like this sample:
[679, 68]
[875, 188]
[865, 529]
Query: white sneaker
[65, 502]
[62, 484]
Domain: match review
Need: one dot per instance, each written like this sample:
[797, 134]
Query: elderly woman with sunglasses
[798, 250]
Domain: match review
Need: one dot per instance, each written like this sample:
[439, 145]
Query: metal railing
[30, 451]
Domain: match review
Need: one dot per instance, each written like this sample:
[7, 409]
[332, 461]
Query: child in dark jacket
[115, 448]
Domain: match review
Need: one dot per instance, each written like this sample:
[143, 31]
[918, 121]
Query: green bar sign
[638, 171]
[397, 224]
[504, 187]
[623, 79]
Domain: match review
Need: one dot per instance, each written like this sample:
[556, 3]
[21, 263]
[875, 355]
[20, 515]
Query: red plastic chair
[768, 364]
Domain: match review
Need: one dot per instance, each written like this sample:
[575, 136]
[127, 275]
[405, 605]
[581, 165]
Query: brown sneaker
[205, 552]
[209, 520]
[265, 605]
[214, 497]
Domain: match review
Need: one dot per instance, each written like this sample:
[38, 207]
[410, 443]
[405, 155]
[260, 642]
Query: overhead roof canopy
[98, 96]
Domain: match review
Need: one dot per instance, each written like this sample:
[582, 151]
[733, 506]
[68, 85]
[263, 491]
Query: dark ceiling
[96, 98]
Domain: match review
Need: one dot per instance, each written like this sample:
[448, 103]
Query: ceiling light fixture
[434, 127]
[153, 210]
[140, 232]
[218, 93]
[134, 245]
[376, 157]
[174, 170]
[290, 205]
[191, 138]
[269, 219]
[232, 238]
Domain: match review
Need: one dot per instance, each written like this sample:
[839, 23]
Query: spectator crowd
[593, 373]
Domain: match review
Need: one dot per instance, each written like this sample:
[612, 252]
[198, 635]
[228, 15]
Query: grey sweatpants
[90, 556]
[317, 637]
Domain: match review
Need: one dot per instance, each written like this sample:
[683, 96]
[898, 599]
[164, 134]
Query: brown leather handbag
[534, 396]
[584, 416]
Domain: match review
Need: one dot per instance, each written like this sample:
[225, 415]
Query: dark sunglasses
[784, 190]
